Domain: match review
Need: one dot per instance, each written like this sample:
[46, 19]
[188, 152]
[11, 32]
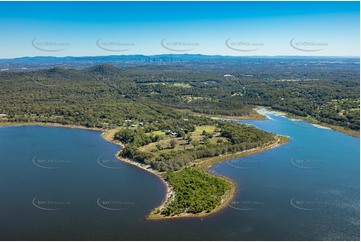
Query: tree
[172, 144]
[205, 140]
[189, 139]
[195, 143]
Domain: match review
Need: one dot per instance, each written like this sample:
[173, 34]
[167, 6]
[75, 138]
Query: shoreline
[226, 199]
[70, 126]
[315, 122]
[202, 164]
[108, 136]
[209, 162]
[259, 116]
[253, 116]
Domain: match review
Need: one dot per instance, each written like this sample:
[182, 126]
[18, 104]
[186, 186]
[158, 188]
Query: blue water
[52, 181]
[308, 187]
[62, 184]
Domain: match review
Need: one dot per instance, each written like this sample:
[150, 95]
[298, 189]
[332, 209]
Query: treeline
[135, 137]
[104, 96]
[176, 160]
[248, 134]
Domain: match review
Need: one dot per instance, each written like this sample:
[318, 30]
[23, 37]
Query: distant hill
[103, 69]
[47, 62]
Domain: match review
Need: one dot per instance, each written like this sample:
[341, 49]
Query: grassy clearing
[182, 144]
[165, 145]
[182, 85]
[158, 132]
[199, 129]
[109, 134]
[197, 135]
[188, 98]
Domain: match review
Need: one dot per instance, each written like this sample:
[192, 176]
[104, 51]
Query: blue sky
[214, 28]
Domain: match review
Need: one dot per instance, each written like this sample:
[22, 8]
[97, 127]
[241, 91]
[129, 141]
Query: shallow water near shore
[66, 184]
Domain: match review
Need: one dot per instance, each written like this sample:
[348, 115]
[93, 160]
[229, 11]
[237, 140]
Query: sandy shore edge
[313, 121]
[253, 116]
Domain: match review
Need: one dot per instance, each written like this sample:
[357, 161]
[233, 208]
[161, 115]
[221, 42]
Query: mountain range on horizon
[182, 60]
[175, 56]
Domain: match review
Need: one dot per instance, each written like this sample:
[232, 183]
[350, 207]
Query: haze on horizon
[151, 28]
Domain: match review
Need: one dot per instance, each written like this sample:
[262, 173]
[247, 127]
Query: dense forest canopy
[326, 89]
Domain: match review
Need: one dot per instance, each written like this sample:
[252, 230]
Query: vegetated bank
[179, 159]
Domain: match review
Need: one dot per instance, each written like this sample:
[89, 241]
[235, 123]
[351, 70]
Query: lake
[66, 184]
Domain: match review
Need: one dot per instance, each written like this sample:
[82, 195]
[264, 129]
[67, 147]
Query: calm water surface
[65, 184]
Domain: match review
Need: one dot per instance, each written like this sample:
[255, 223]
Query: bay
[66, 184]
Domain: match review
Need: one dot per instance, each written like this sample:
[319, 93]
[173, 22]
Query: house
[228, 75]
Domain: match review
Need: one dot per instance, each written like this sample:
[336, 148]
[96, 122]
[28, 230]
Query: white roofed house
[229, 76]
